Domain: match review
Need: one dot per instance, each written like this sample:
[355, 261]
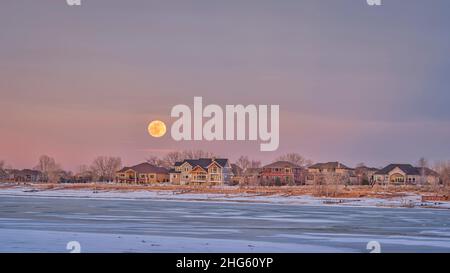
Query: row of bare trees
[103, 168]
[443, 168]
[170, 158]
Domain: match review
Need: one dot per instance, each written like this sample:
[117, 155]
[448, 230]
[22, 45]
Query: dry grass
[343, 191]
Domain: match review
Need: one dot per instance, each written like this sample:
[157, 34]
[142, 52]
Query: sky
[354, 83]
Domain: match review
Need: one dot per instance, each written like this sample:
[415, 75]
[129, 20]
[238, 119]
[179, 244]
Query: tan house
[403, 174]
[330, 168]
[143, 173]
[203, 171]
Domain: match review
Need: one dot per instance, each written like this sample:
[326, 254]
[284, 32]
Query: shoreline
[278, 197]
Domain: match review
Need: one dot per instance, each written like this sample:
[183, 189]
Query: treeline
[104, 168]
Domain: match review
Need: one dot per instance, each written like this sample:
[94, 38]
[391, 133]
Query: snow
[146, 221]
[411, 200]
[14, 241]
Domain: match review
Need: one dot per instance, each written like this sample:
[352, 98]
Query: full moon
[157, 128]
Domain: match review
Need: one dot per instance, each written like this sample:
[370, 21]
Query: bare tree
[171, 158]
[422, 164]
[84, 171]
[104, 168]
[196, 154]
[443, 168]
[327, 184]
[255, 164]
[154, 160]
[243, 162]
[295, 158]
[49, 168]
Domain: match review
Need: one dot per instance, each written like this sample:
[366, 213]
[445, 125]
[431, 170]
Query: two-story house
[284, 172]
[337, 169]
[203, 171]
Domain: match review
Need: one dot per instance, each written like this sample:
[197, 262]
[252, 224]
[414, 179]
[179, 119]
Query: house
[203, 171]
[27, 175]
[337, 169]
[365, 175]
[143, 173]
[283, 172]
[406, 174]
[4, 176]
[175, 175]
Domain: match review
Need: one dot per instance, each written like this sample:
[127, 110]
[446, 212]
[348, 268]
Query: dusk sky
[354, 83]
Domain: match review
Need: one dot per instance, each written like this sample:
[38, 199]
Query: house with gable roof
[143, 173]
[406, 174]
[203, 171]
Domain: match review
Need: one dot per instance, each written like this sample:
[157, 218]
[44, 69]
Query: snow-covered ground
[163, 222]
[408, 201]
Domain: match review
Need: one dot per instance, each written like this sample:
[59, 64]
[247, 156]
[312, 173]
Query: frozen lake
[43, 224]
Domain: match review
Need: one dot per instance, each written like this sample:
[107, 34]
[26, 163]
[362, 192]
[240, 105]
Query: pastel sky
[354, 83]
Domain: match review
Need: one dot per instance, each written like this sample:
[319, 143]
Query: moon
[157, 128]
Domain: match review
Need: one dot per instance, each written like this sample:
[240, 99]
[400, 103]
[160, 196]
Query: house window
[200, 177]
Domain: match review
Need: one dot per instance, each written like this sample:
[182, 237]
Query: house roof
[282, 164]
[329, 165]
[173, 171]
[198, 167]
[406, 168]
[145, 168]
[30, 172]
[205, 162]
